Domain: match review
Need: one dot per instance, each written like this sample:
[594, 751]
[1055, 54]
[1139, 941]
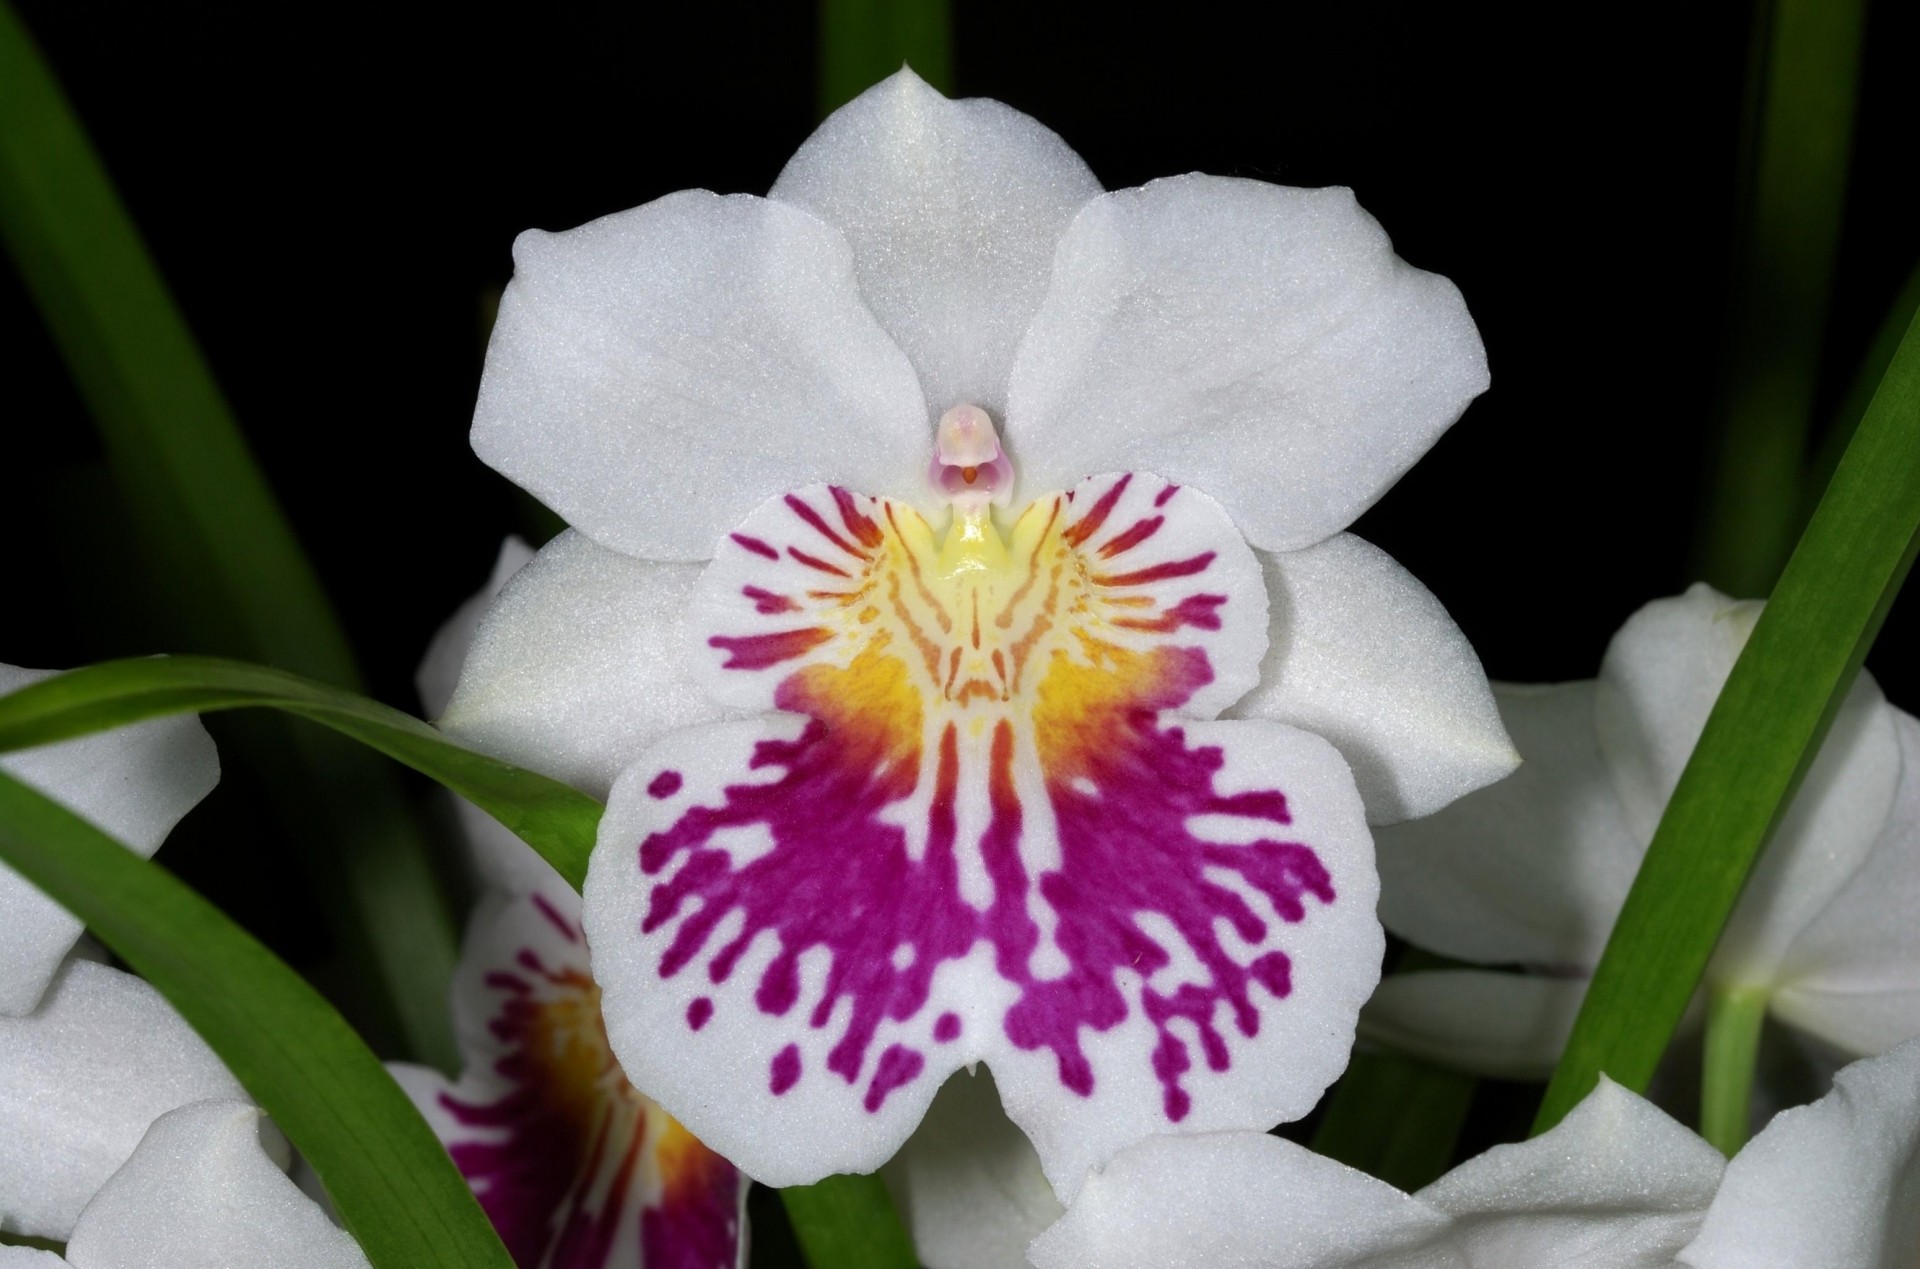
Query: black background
[332, 191]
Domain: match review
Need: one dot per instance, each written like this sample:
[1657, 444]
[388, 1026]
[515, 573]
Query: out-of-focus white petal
[133, 783]
[1657, 684]
[581, 663]
[953, 210]
[81, 1078]
[201, 1191]
[1617, 1184]
[656, 373]
[1501, 1026]
[1530, 870]
[1834, 1185]
[1258, 342]
[1242, 1199]
[439, 669]
[1360, 652]
[29, 1258]
[1853, 974]
[968, 1183]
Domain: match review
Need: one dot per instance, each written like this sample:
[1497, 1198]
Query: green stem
[1734, 1015]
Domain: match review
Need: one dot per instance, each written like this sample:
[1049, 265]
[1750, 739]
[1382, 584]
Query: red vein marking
[1140, 532]
[1159, 572]
[858, 523]
[953, 672]
[976, 618]
[557, 921]
[820, 564]
[757, 652]
[1089, 524]
[1200, 611]
[1004, 619]
[929, 650]
[755, 545]
[800, 507]
[920, 583]
[768, 603]
[1160, 499]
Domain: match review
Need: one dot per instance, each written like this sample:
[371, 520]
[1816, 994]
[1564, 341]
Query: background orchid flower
[885, 802]
[200, 1190]
[1531, 871]
[574, 1167]
[82, 1078]
[134, 783]
[1617, 1184]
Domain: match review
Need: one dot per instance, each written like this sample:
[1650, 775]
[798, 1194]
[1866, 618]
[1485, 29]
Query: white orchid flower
[200, 1190]
[133, 783]
[1531, 871]
[82, 1078]
[898, 786]
[573, 1166]
[1617, 1185]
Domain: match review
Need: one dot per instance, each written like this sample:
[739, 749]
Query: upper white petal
[1241, 1199]
[1532, 869]
[968, 1183]
[1360, 652]
[1259, 342]
[1852, 975]
[581, 664]
[953, 210]
[1498, 1025]
[1661, 675]
[440, 668]
[133, 783]
[655, 374]
[81, 1078]
[1834, 1185]
[1617, 1183]
[200, 1191]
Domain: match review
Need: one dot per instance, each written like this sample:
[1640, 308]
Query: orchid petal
[1617, 1183]
[81, 1078]
[1243, 1199]
[572, 1165]
[1495, 1025]
[579, 664]
[968, 1182]
[953, 210]
[1363, 654]
[655, 373]
[1529, 870]
[200, 1190]
[1258, 342]
[1852, 976]
[134, 783]
[29, 1258]
[440, 668]
[1834, 1185]
[1657, 684]
[984, 826]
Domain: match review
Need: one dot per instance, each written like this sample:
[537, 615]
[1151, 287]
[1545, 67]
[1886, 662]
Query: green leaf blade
[386, 1172]
[848, 1222]
[1759, 739]
[555, 819]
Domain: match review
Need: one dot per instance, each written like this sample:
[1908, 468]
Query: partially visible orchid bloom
[575, 1169]
[1532, 871]
[134, 783]
[1617, 1185]
[200, 1190]
[922, 768]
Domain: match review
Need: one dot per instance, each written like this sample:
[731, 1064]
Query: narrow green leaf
[848, 1222]
[864, 41]
[1804, 73]
[389, 1176]
[1395, 1118]
[1763, 732]
[553, 818]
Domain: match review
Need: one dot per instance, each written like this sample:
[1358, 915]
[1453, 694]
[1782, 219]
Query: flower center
[969, 469]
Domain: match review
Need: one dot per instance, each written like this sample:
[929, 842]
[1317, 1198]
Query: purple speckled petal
[576, 1169]
[989, 822]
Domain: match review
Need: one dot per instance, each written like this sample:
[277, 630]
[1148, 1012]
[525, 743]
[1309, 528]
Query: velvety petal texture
[1363, 654]
[201, 1193]
[989, 822]
[1616, 1185]
[953, 210]
[1259, 342]
[439, 671]
[656, 373]
[575, 1168]
[1834, 1185]
[81, 1079]
[133, 783]
[583, 661]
